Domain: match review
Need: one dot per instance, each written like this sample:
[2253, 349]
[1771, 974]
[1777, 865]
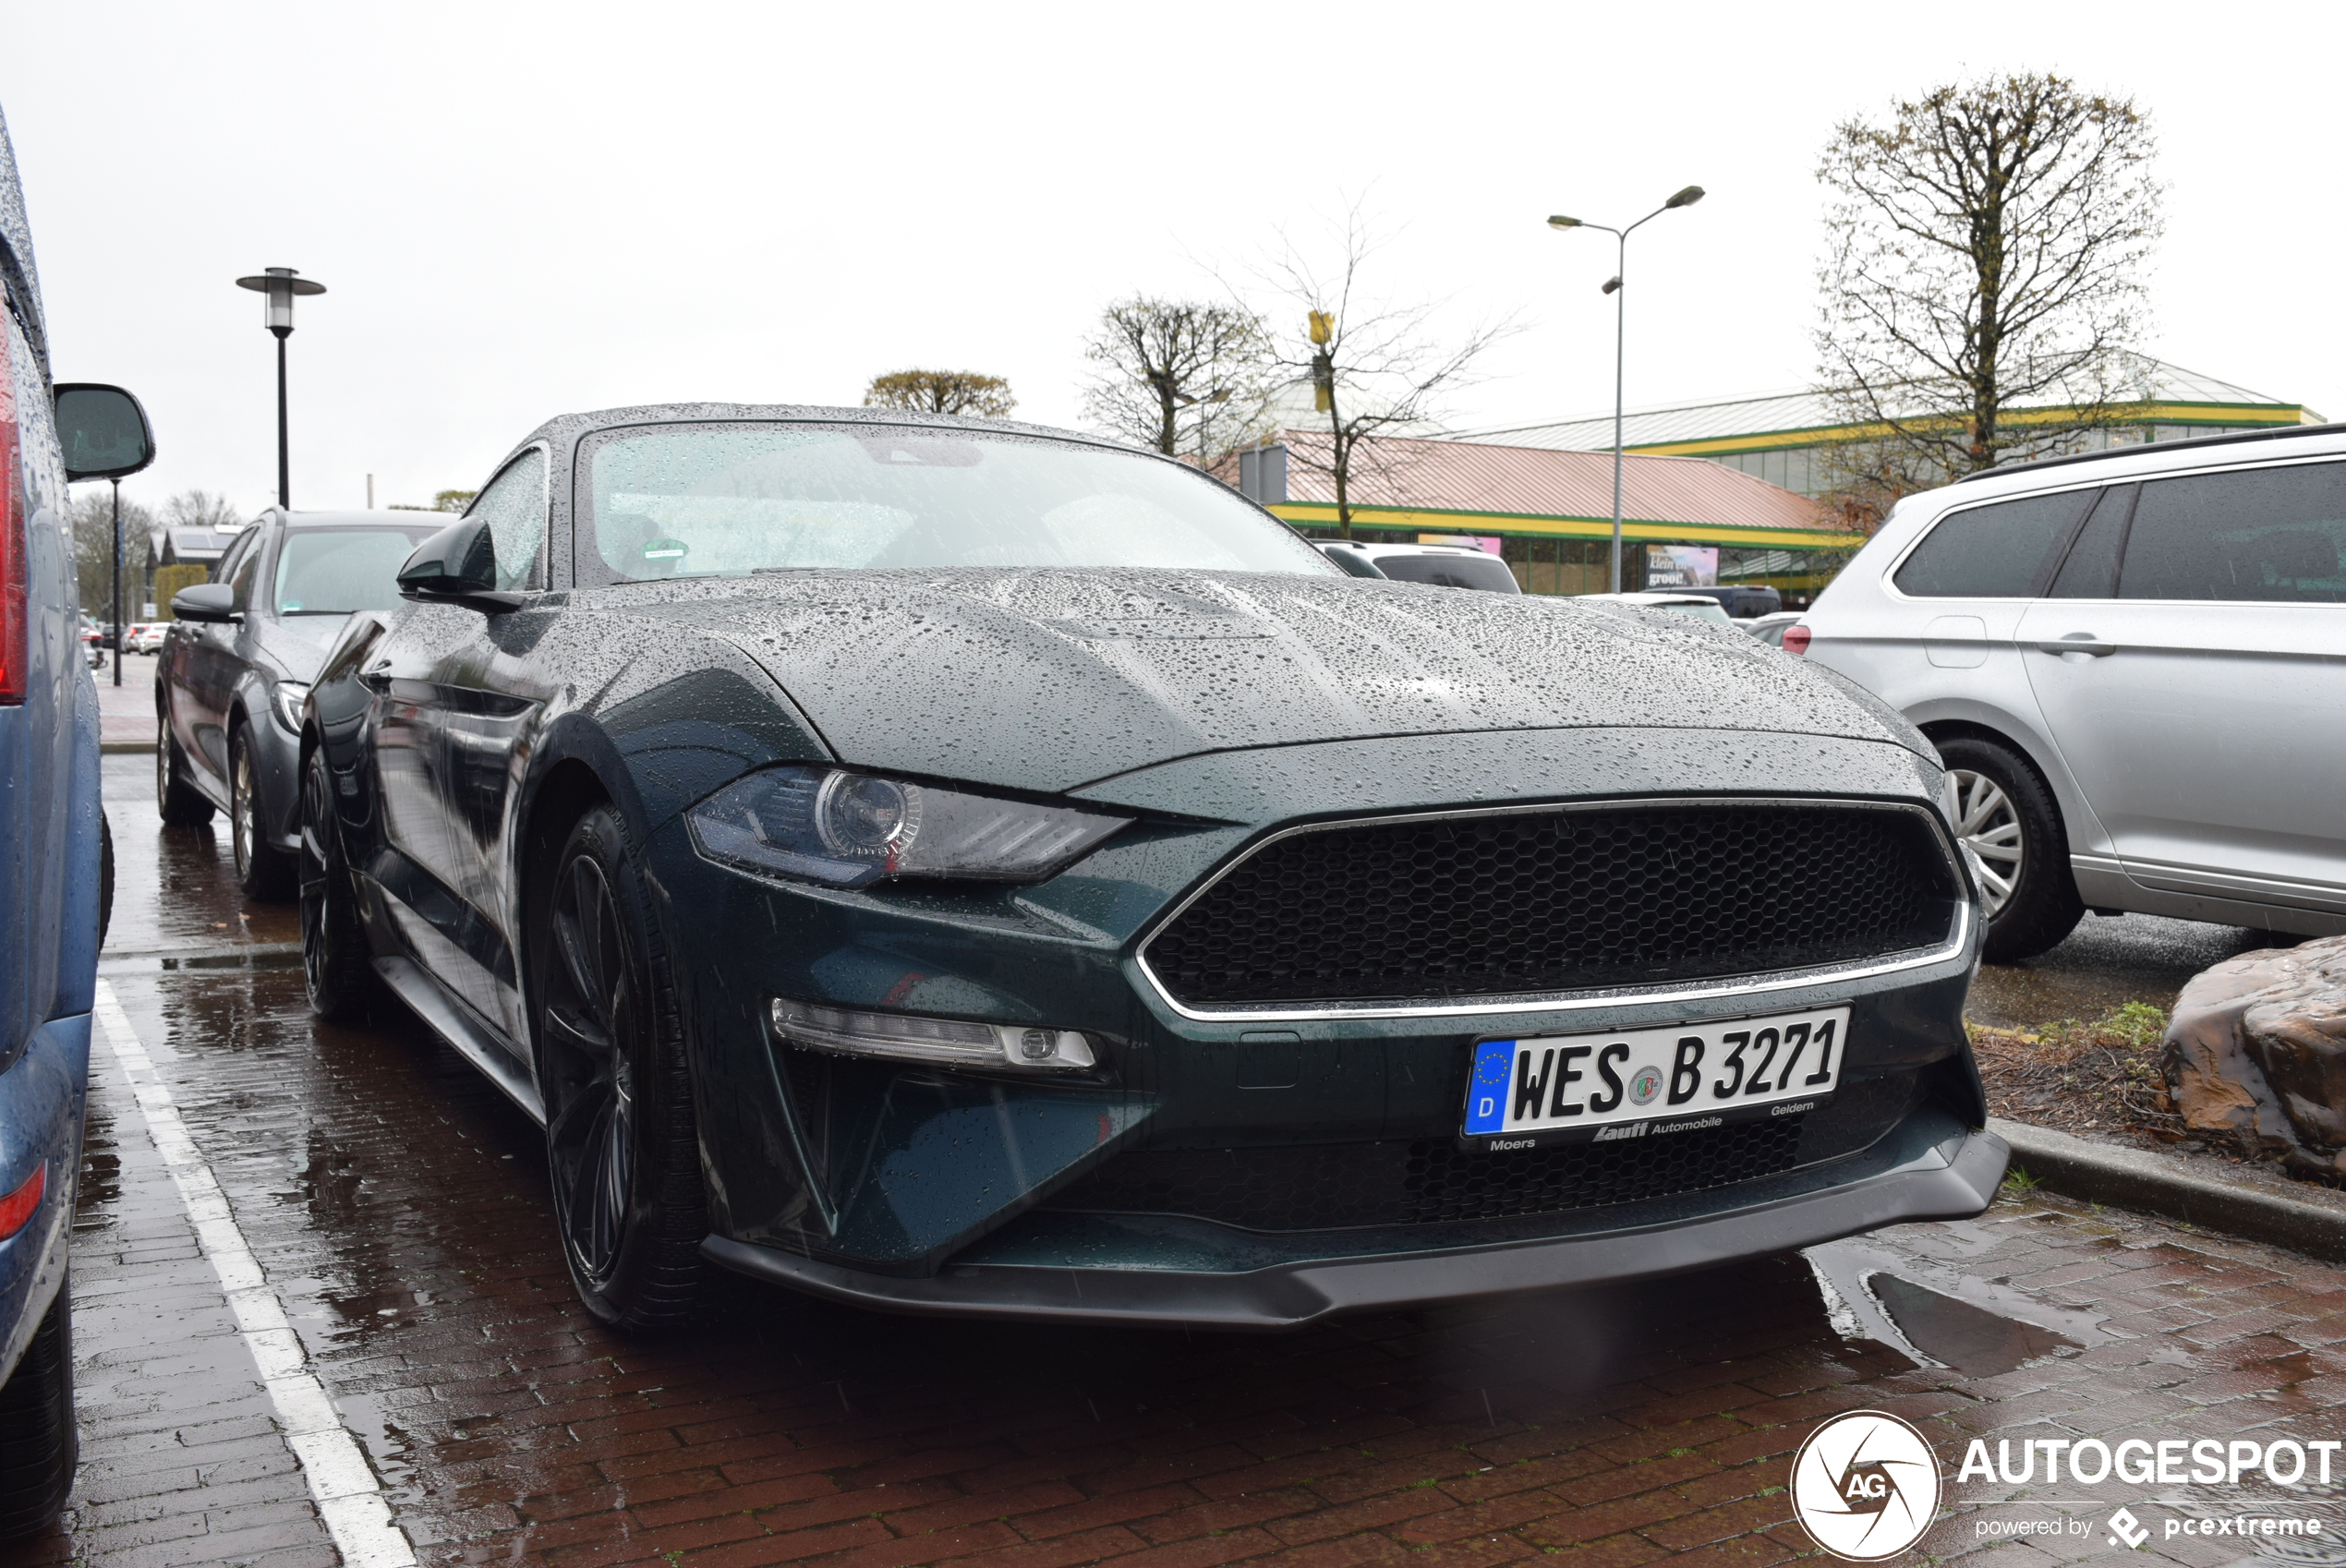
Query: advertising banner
[1682, 566]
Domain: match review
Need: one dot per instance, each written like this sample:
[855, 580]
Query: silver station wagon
[2134, 664]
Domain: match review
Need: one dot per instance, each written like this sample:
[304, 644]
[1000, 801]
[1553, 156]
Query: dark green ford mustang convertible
[957, 867]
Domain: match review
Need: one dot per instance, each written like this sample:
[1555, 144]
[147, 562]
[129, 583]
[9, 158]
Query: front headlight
[849, 829]
[289, 695]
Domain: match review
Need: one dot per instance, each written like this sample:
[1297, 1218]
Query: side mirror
[205, 602]
[103, 431]
[457, 565]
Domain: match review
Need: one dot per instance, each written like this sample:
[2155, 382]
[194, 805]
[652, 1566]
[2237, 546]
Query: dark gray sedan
[238, 661]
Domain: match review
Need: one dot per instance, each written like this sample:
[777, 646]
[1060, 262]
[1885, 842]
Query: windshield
[723, 499]
[335, 571]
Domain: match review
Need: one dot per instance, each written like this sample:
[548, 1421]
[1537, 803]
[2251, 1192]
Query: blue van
[55, 865]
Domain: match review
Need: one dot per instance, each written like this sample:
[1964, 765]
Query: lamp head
[1610, 284]
[1685, 198]
[280, 285]
[1561, 222]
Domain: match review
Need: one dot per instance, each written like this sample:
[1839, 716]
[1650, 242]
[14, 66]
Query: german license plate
[1649, 1083]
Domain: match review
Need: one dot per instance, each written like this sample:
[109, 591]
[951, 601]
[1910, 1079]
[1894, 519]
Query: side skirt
[453, 1023]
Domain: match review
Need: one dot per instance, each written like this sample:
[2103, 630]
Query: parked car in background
[55, 868]
[1667, 601]
[954, 866]
[1741, 601]
[236, 661]
[148, 635]
[1772, 629]
[1448, 566]
[2133, 662]
[93, 643]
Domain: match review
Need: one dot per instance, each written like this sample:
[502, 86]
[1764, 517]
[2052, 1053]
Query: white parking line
[349, 1497]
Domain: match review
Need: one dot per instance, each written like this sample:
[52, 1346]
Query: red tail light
[15, 628]
[17, 1208]
[1796, 639]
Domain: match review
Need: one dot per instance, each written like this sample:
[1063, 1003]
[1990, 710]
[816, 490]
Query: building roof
[191, 546]
[2157, 383]
[1481, 477]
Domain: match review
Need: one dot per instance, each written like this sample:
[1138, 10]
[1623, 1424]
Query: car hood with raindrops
[1048, 680]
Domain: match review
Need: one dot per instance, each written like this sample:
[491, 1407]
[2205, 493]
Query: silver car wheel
[1988, 829]
[242, 824]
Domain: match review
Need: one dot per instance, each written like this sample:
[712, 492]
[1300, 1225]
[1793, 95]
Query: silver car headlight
[288, 698]
[849, 829]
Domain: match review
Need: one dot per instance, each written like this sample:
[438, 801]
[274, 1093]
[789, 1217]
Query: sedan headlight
[289, 695]
[851, 829]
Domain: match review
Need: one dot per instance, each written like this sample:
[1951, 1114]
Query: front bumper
[1929, 1168]
[276, 775]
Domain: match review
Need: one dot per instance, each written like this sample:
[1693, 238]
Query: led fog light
[902, 1037]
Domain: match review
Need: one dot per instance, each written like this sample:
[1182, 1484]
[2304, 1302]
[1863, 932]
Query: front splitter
[1288, 1295]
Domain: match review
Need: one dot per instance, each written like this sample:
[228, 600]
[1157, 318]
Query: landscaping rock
[2256, 1053]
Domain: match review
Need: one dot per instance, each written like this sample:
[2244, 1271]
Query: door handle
[2078, 642]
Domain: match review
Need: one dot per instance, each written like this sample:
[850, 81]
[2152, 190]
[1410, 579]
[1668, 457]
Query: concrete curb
[108, 748]
[2134, 1179]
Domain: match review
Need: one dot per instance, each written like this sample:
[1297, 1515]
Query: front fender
[2024, 736]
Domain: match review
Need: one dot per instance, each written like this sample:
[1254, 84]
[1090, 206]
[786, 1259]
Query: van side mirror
[457, 565]
[103, 431]
[205, 602]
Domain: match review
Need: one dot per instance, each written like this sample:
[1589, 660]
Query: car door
[2191, 666]
[450, 716]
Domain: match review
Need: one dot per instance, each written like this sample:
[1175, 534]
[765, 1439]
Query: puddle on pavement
[1979, 1327]
[1975, 1341]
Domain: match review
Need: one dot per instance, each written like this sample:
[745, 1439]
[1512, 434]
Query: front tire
[620, 1139]
[336, 964]
[180, 803]
[38, 1445]
[2010, 829]
[266, 874]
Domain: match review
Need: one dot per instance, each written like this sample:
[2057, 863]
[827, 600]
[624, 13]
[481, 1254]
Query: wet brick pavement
[397, 1207]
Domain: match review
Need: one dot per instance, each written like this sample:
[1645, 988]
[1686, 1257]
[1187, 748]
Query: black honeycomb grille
[1427, 1181]
[1558, 901]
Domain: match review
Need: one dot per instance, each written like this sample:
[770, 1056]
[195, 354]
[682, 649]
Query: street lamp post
[1685, 198]
[281, 285]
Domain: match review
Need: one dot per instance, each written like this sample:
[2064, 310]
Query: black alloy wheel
[336, 964]
[2010, 829]
[265, 873]
[38, 1444]
[180, 803]
[619, 1133]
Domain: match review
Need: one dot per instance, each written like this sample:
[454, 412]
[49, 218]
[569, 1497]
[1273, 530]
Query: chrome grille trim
[1958, 943]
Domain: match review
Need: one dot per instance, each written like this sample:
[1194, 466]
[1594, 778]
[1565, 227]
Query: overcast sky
[520, 210]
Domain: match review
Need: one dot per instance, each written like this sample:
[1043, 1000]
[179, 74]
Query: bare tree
[92, 518]
[940, 391]
[1376, 368]
[1177, 375]
[201, 509]
[1983, 255]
